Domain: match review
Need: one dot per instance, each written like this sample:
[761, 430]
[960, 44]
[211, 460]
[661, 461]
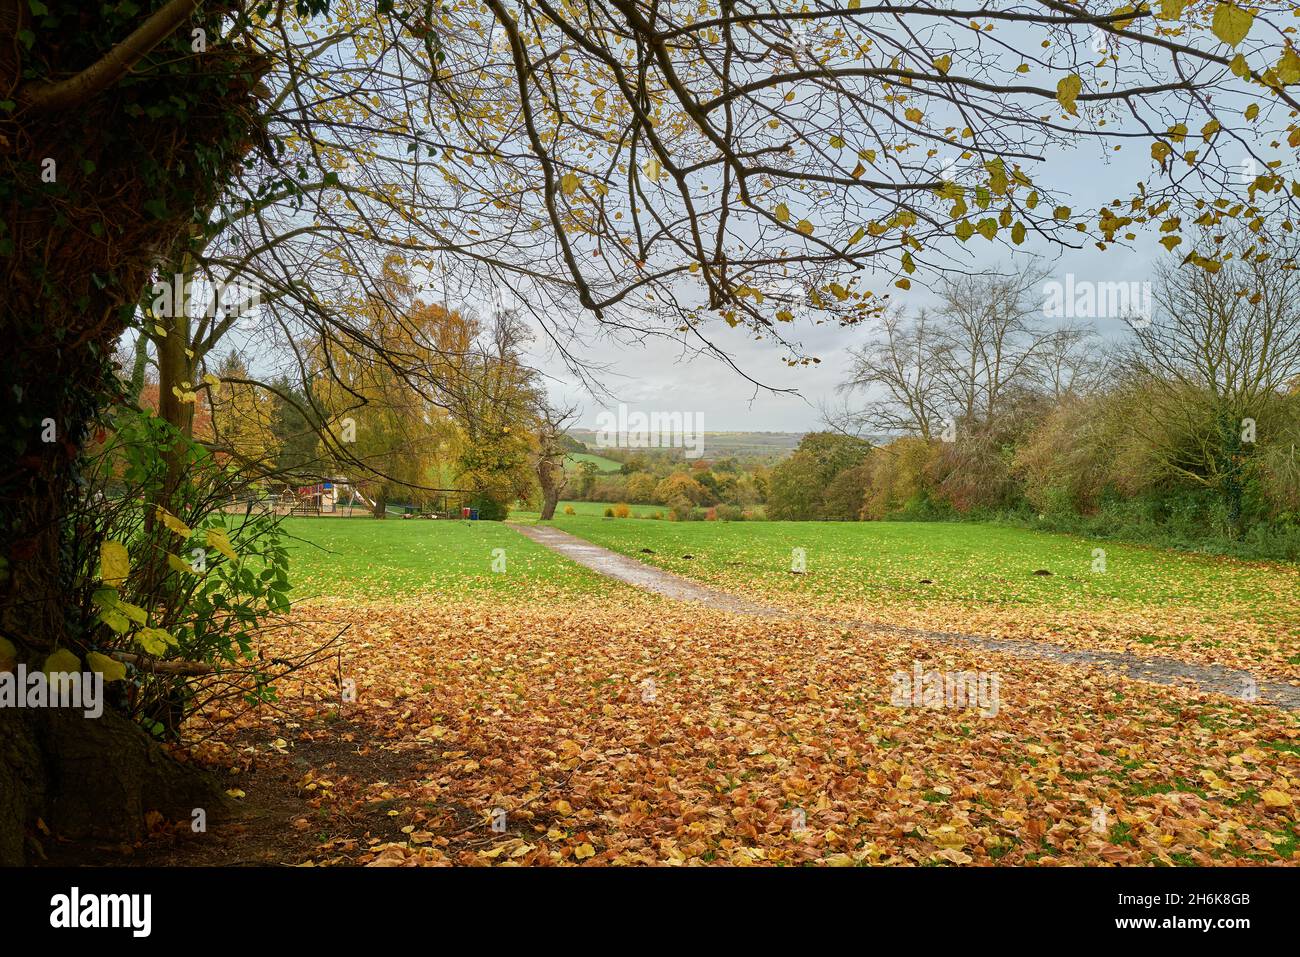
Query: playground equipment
[338, 496]
[328, 497]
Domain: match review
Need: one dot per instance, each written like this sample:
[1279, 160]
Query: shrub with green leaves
[172, 581]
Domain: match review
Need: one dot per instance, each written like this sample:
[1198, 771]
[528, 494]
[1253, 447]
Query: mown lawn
[574, 459]
[870, 560]
[963, 577]
[596, 509]
[395, 559]
[1156, 597]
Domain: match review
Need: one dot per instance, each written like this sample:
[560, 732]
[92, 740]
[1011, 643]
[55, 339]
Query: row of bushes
[684, 513]
[697, 487]
[1102, 466]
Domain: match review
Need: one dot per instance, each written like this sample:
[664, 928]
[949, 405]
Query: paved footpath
[1166, 671]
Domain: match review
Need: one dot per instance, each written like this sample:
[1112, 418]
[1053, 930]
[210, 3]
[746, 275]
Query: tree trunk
[1230, 471]
[550, 498]
[83, 778]
[550, 476]
[90, 779]
[381, 507]
[96, 190]
[139, 367]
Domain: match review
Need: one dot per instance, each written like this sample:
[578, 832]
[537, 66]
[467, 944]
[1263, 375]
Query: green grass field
[938, 561]
[959, 576]
[394, 559]
[573, 459]
[851, 561]
[591, 509]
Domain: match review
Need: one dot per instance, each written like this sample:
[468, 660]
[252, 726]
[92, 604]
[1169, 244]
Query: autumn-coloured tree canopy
[668, 166]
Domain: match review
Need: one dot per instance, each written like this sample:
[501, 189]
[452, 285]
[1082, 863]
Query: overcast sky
[661, 376]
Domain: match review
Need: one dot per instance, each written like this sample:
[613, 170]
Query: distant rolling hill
[717, 445]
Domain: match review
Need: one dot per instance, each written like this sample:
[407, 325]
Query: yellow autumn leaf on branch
[172, 522]
[133, 612]
[782, 213]
[155, 641]
[1231, 23]
[997, 171]
[114, 563]
[111, 669]
[115, 620]
[1288, 68]
[61, 662]
[218, 539]
[1067, 90]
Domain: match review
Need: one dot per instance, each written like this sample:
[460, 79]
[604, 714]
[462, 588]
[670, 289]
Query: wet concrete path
[629, 570]
[1218, 679]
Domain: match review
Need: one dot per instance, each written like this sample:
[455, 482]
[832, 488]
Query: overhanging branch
[99, 76]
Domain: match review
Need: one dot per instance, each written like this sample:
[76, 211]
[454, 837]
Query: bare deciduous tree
[991, 344]
[901, 363]
[1215, 360]
[552, 423]
[963, 364]
[1073, 363]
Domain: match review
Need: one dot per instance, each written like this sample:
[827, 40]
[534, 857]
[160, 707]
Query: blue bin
[473, 515]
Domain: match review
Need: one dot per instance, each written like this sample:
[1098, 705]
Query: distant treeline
[1185, 432]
